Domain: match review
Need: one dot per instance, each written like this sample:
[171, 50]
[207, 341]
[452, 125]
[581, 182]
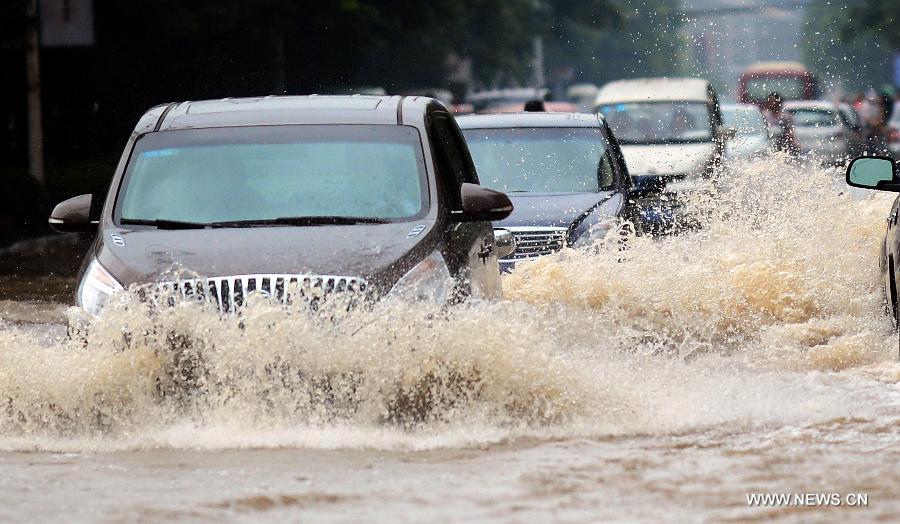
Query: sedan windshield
[814, 117]
[275, 173]
[659, 122]
[544, 159]
[744, 120]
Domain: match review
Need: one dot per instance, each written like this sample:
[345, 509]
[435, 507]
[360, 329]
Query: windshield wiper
[665, 141]
[163, 223]
[326, 220]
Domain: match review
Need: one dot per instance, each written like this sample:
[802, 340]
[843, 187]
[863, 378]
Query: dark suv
[328, 194]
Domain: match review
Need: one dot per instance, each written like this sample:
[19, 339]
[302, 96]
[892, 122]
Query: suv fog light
[428, 281]
[95, 288]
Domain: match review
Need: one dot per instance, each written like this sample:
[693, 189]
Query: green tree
[640, 38]
[844, 57]
[315, 46]
[878, 17]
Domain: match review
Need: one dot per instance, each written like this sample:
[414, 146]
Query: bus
[791, 80]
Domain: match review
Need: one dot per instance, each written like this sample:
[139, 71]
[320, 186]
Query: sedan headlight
[95, 288]
[428, 281]
[595, 233]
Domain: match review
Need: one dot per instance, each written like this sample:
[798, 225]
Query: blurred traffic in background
[78, 73]
[690, 291]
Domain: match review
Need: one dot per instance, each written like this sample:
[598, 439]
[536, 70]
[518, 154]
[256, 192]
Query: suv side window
[454, 162]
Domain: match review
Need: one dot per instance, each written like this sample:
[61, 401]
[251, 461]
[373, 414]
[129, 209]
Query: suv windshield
[261, 173]
[659, 122]
[544, 159]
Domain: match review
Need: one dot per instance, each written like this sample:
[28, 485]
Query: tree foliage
[877, 17]
[391, 43]
[849, 58]
[642, 40]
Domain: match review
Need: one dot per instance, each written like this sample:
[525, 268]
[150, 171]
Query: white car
[821, 131]
[583, 95]
[671, 134]
[751, 138]
[894, 138]
[488, 101]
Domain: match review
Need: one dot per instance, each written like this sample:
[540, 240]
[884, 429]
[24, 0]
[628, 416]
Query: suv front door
[479, 268]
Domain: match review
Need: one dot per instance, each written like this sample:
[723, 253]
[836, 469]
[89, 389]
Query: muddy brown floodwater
[667, 383]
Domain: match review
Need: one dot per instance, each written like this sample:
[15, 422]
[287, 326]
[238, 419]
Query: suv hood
[551, 209]
[372, 251]
[668, 159]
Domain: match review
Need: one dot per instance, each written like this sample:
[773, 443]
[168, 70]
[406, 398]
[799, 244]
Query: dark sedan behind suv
[319, 194]
[563, 171]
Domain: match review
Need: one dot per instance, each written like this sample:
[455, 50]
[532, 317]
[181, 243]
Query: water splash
[786, 270]
[742, 323]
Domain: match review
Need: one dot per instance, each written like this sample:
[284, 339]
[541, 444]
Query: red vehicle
[791, 80]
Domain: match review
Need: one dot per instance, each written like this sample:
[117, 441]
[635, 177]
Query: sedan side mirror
[504, 242]
[725, 133]
[480, 203]
[873, 172]
[73, 215]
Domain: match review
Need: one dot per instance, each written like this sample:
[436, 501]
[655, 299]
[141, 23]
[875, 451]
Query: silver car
[894, 138]
[750, 136]
[821, 131]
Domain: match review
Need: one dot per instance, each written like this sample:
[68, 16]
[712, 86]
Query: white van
[670, 130]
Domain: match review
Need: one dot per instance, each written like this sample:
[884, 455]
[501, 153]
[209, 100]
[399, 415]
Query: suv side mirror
[73, 215]
[873, 172]
[480, 203]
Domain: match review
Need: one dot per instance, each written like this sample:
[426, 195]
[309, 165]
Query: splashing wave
[744, 322]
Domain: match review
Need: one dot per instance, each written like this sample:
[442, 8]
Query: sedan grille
[533, 242]
[230, 293]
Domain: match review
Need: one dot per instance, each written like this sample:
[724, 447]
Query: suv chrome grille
[533, 242]
[230, 292]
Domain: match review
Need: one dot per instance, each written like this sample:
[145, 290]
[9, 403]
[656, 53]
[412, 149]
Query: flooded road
[667, 382]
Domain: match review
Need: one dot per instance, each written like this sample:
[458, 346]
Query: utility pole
[33, 92]
[278, 63]
[538, 65]
[276, 29]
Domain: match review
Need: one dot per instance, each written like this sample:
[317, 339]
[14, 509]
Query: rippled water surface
[661, 383]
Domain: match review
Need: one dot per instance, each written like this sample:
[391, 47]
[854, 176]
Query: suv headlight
[95, 288]
[428, 281]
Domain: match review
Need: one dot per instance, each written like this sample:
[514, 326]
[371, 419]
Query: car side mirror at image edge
[873, 172]
[73, 215]
[480, 203]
